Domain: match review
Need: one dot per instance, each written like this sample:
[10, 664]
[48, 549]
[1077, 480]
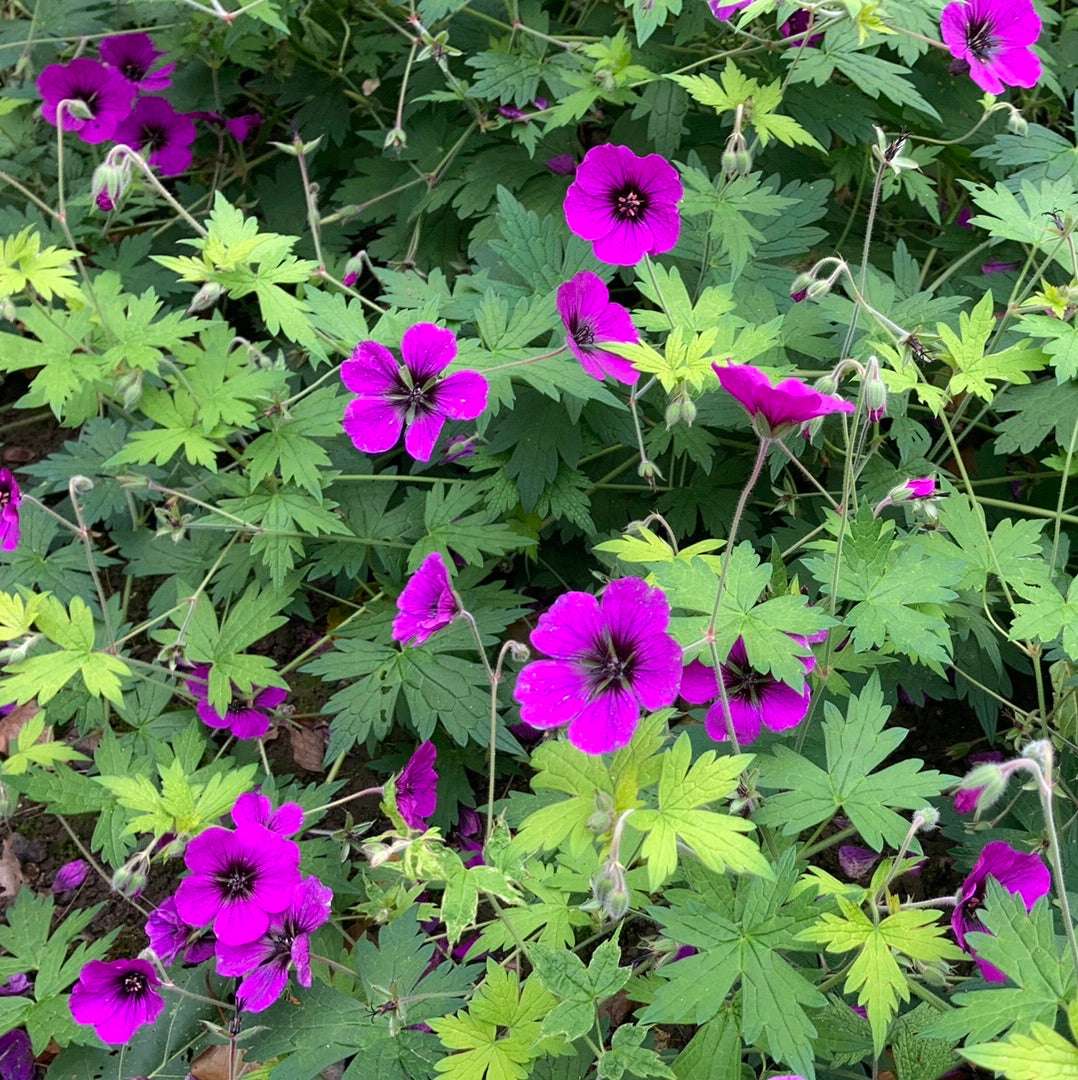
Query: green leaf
[1043, 1054]
[628, 1056]
[1060, 342]
[1045, 615]
[717, 840]
[24, 263]
[875, 975]
[579, 989]
[457, 519]
[855, 745]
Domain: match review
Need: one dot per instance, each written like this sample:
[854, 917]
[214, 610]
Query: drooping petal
[248, 723]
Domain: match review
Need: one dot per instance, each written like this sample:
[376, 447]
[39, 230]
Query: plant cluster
[502, 571]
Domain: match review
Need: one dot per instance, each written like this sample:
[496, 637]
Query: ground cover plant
[537, 540]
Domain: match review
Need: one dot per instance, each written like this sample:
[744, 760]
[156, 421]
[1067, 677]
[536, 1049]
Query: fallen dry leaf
[14, 722]
[212, 1064]
[308, 747]
[11, 878]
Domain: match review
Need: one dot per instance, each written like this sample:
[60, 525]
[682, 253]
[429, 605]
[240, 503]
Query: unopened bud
[107, 185]
[206, 297]
[926, 819]
[396, 139]
[77, 108]
[8, 311]
[602, 820]
[610, 891]
[990, 783]
[1017, 123]
[15, 652]
[875, 391]
[819, 289]
[827, 384]
[129, 388]
[799, 287]
[680, 410]
[131, 878]
[1041, 752]
[648, 470]
[352, 269]
[519, 651]
[736, 159]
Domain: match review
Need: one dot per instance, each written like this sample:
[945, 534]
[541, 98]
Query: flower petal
[606, 723]
[462, 395]
[428, 350]
[422, 434]
[550, 693]
[370, 370]
[373, 424]
[570, 627]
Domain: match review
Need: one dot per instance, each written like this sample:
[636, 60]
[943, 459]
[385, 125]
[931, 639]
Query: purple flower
[799, 295]
[921, 487]
[1021, 873]
[17, 984]
[103, 91]
[237, 881]
[963, 218]
[414, 397]
[510, 112]
[16, 1056]
[70, 876]
[286, 945]
[998, 266]
[169, 936]
[104, 202]
[426, 604]
[624, 204]
[590, 317]
[562, 164]
[783, 405]
[756, 700]
[162, 135]
[857, 861]
[798, 23]
[116, 998]
[248, 719]
[993, 38]
[256, 809]
[966, 799]
[611, 658]
[417, 787]
[134, 56]
[724, 12]
[469, 838]
[350, 278]
[241, 128]
[10, 497]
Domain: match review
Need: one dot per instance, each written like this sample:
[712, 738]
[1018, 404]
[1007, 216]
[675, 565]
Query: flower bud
[107, 185]
[827, 384]
[917, 487]
[519, 651]
[926, 819]
[131, 878]
[1017, 123]
[680, 410]
[352, 269]
[736, 159]
[988, 781]
[1041, 752]
[819, 289]
[17, 651]
[875, 391]
[602, 820]
[610, 891]
[396, 139]
[648, 470]
[206, 297]
[129, 388]
[77, 108]
[8, 311]
[799, 287]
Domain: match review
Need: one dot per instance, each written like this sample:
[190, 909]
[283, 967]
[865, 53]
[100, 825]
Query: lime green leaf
[1043, 1054]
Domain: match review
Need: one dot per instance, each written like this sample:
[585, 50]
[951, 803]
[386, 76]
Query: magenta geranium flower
[590, 317]
[624, 204]
[169, 936]
[417, 787]
[285, 946]
[254, 808]
[611, 658]
[162, 135]
[966, 799]
[241, 128]
[1021, 873]
[414, 398]
[238, 880]
[103, 91]
[134, 57]
[10, 497]
[116, 998]
[725, 12]
[757, 700]
[17, 1056]
[798, 23]
[921, 487]
[993, 38]
[426, 604]
[70, 876]
[781, 406]
[248, 718]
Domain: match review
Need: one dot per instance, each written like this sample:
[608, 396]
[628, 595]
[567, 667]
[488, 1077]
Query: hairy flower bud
[648, 470]
[1017, 123]
[736, 159]
[610, 891]
[680, 410]
[131, 878]
[988, 782]
[107, 185]
[819, 289]
[602, 820]
[129, 388]
[875, 391]
[396, 139]
[206, 297]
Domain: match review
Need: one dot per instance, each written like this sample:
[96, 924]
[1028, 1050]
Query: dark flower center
[745, 682]
[981, 39]
[133, 984]
[629, 203]
[5, 496]
[237, 880]
[417, 399]
[87, 95]
[583, 333]
[154, 136]
[133, 71]
[611, 664]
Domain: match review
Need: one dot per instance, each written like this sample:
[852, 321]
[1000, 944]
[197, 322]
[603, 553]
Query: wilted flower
[285, 946]
[10, 497]
[17, 1056]
[590, 317]
[998, 266]
[798, 23]
[611, 659]
[1021, 873]
[247, 718]
[116, 998]
[757, 700]
[725, 12]
[105, 94]
[426, 604]
[625, 205]
[134, 56]
[254, 808]
[562, 164]
[169, 936]
[993, 37]
[414, 397]
[237, 881]
[416, 787]
[70, 876]
[857, 861]
[242, 127]
[162, 135]
[781, 406]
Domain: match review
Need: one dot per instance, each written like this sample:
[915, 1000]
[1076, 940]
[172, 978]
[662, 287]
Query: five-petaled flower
[780, 406]
[162, 135]
[105, 93]
[10, 497]
[590, 317]
[116, 998]
[254, 808]
[414, 397]
[993, 38]
[610, 659]
[426, 604]
[416, 787]
[238, 881]
[286, 945]
[169, 936]
[249, 716]
[134, 57]
[1021, 873]
[757, 700]
[624, 204]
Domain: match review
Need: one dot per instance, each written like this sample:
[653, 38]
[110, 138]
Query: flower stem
[310, 198]
[347, 799]
[1060, 500]
[799, 464]
[76, 486]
